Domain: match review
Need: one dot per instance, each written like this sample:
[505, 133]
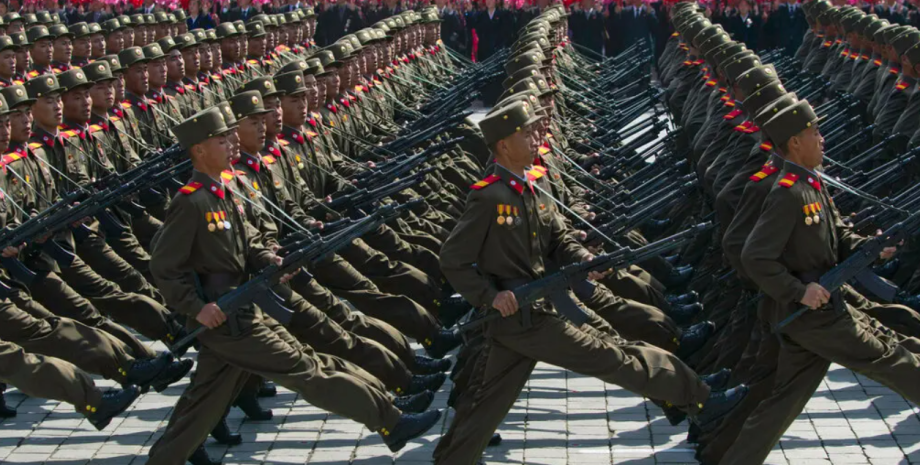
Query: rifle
[574, 276]
[310, 250]
[857, 265]
[363, 199]
[403, 164]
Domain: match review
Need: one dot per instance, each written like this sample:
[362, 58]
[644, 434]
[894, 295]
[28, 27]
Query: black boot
[495, 440]
[717, 406]
[267, 389]
[5, 411]
[422, 383]
[693, 434]
[694, 338]
[416, 403]
[113, 403]
[679, 278]
[684, 314]
[201, 457]
[176, 333]
[444, 342]
[717, 381]
[249, 404]
[683, 299]
[429, 366]
[674, 415]
[173, 372]
[451, 309]
[222, 434]
[409, 427]
[142, 373]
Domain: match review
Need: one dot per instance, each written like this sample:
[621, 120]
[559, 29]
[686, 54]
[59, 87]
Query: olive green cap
[111, 25]
[873, 27]
[160, 17]
[296, 65]
[79, 30]
[150, 19]
[7, 42]
[227, 113]
[315, 68]
[905, 41]
[43, 85]
[19, 38]
[247, 103]
[756, 78]
[60, 30]
[114, 63]
[98, 71]
[184, 41]
[44, 17]
[521, 74]
[308, 12]
[11, 17]
[725, 51]
[255, 29]
[201, 126]
[200, 35]
[167, 44]
[913, 54]
[16, 95]
[226, 30]
[29, 19]
[365, 36]
[265, 85]
[212, 35]
[736, 66]
[95, 28]
[36, 33]
[291, 83]
[73, 79]
[790, 121]
[179, 15]
[291, 17]
[760, 97]
[125, 21]
[138, 20]
[131, 56]
[261, 17]
[713, 43]
[340, 50]
[505, 121]
[520, 62]
[770, 109]
[353, 41]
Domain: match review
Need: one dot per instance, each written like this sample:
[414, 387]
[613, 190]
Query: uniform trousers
[47, 377]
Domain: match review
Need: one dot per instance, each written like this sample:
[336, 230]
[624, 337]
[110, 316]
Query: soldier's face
[257, 46]
[321, 89]
[128, 35]
[156, 70]
[48, 111]
[82, 47]
[204, 55]
[251, 132]
[103, 95]
[97, 46]
[7, 63]
[213, 155]
[515, 149]
[4, 132]
[244, 46]
[175, 66]
[119, 87]
[140, 36]
[809, 147]
[216, 56]
[41, 52]
[191, 60]
[332, 85]
[312, 93]
[295, 109]
[63, 49]
[21, 124]
[273, 120]
[115, 42]
[78, 105]
[22, 59]
[230, 49]
[137, 79]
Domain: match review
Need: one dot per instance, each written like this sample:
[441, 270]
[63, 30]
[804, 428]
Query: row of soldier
[299, 124]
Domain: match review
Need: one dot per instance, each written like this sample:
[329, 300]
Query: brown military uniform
[47, 377]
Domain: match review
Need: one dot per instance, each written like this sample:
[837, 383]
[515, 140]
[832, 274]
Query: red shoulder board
[284, 142]
[711, 83]
[732, 114]
[675, 34]
[766, 146]
[845, 53]
[815, 183]
[537, 172]
[268, 159]
[190, 187]
[894, 71]
[877, 62]
[729, 103]
[788, 180]
[126, 104]
[763, 173]
[901, 85]
[485, 182]
[94, 128]
[826, 44]
[11, 157]
[226, 175]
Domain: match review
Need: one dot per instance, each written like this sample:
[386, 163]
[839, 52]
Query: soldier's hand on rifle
[590, 217]
[287, 276]
[595, 275]
[581, 235]
[371, 165]
[816, 296]
[315, 224]
[887, 252]
[211, 316]
[12, 251]
[505, 303]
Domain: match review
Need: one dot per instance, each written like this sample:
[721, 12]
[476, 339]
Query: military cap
[279, 20]
[200, 127]
[292, 17]
[864, 21]
[211, 34]
[736, 66]
[827, 17]
[179, 15]
[905, 41]
[523, 73]
[166, 45]
[355, 43]
[713, 43]
[200, 35]
[296, 65]
[392, 24]
[760, 97]
[537, 24]
[308, 12]
[247, 103]
[526, 39]
[59, 30]
[756, 78]
[114, 63]
[725, 51]
[706, 34]
[95, 28]
[138, 20]
[255, 29]
[227, 112]
[261, 17]
[79, 30]
[524, 85]
[340, 51]
[11, 18]
[240, 26]
[160, 17]
[873, 27]
[265, 85]
[44, 17]
[767, 111]
[132, 56]
[226, 30]
[29, 19]
[522, 61]
[16, 95]
[4, 108]
[184, 41]
[849, 20]
[43, 85]
[73, 79]
[269, 22]
[36, 33]
[291, 83]
[365, 36]
[528, 96]
[150, 19]
[154, 51]
[112, 25]
[7, 42]
[98, 71]
[890, 33]
[694, 28]
[790, 121]
[19, 38]
[125, 21]
[400, 23]
[913, 54]
[505, 121]
[315, 68]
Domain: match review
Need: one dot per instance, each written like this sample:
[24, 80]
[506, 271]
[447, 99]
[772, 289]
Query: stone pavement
[561, 418]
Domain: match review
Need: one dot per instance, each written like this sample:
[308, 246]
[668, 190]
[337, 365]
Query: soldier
[97, 42]
[186, 98]
[114, 36]
[245, 343]
[52, 378]
[8, 50]
[23, 59]
[13, 23]
[62, 48]
[127, 32]
[82, 44]
[40, 51]
[166, 107]
[141, 28]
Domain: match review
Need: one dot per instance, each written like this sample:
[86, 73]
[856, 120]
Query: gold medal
[220, 225]
[300, 166]
[509, 220]
[500, 220]
[817, 219]
[808, 221]
[211, 227]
